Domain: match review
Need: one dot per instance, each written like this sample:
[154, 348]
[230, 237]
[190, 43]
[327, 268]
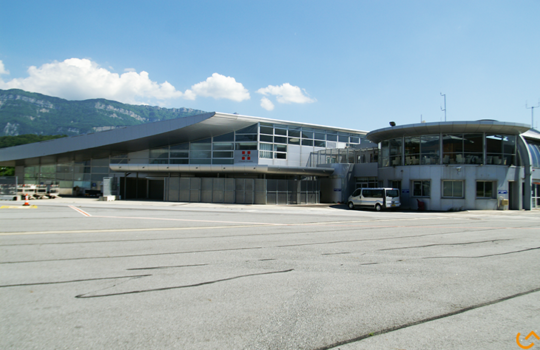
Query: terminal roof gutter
[207, 168]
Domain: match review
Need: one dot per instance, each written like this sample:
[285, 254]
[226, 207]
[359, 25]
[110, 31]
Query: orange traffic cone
[26, 204]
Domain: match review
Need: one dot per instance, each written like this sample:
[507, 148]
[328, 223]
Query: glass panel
[278, 139]
[343, 138]
[320, 136]
[266, 138]
[223, 146]
[294, 133]
[179, 154]
[100, 170]
[246, 137]
[320, 143]
[294, 141]
[281, 155]
[480, 189]
[201, 154]
[104, 161]
[159, 161]
[201, 146]
[488, 189]
[354, 140]
[280, 148]
[412, 150]
[473, 143]
[252, 129]
[509, 144]
[457, 189]
[385, 152]
[223, 154]
[447, 188]
[246, 146]
[265, 147]
[267, 130]
[307, 135]
[430, 148]
[225, 137]
[417, 189]
[307, 142]
[179, 161]
[159, 153]
[280, 132]
[426, 188]
[180, 147]
[330, 137]
[199, 161]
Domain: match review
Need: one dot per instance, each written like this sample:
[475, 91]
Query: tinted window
[378, 193]
[392, 193]
[367, 193]
[356, 193]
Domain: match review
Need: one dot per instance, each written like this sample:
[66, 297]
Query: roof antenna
[444, 110]
[532, 112]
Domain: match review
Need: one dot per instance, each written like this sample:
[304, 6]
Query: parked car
[377, 198]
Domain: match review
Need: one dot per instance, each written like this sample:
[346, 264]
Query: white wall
[468, 173]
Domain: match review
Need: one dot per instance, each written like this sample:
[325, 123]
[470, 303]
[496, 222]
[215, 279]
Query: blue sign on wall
[337, 189]
[405, 191]
[502, 192]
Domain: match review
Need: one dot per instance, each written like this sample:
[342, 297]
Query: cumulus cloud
[267, 104]
[3, 69]
[219, 86]
[286, 93]
[78, 79]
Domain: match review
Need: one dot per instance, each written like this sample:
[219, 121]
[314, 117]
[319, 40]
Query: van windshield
[392, 193]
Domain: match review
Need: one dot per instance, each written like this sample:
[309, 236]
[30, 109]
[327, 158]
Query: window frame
[422, 184]
[452, 196]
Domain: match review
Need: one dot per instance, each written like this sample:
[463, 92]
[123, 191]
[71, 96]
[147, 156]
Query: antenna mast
[532, 112]
[444, 110]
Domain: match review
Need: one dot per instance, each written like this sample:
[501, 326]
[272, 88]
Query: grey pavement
[78, 273]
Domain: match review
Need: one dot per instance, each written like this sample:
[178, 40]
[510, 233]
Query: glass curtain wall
[456, 149]
[500, 149]
[271, 140]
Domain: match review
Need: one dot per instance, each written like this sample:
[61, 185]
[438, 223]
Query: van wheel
[378, 207]
[351, 205]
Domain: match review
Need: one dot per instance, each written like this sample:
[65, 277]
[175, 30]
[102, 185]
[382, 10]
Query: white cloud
[78, 79]
[267, 104]
[3, 69]
[219, 86]
[286, 93]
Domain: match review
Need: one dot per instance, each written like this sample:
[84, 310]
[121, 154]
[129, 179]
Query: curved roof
[140, 137]
[491, 126]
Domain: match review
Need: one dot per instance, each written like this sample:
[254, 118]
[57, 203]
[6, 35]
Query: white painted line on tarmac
[123, 230]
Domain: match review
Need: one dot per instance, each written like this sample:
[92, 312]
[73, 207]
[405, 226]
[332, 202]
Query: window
[452, 189]
[421, 188]
[484, 189]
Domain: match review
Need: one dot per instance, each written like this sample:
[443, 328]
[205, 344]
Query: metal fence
[8, 187]
[241, 191]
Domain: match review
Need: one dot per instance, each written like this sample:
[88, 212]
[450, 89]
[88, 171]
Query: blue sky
[354, 64]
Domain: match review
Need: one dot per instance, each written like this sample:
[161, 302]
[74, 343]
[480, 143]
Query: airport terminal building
[229, 158]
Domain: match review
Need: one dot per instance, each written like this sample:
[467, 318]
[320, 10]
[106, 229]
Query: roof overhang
[207, 168]
[447, 127]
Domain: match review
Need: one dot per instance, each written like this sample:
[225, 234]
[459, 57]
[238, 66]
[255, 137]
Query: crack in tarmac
[426, 320]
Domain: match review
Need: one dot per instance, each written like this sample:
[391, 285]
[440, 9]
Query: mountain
[23, 112]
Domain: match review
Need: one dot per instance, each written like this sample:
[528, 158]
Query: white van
[378, 198]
